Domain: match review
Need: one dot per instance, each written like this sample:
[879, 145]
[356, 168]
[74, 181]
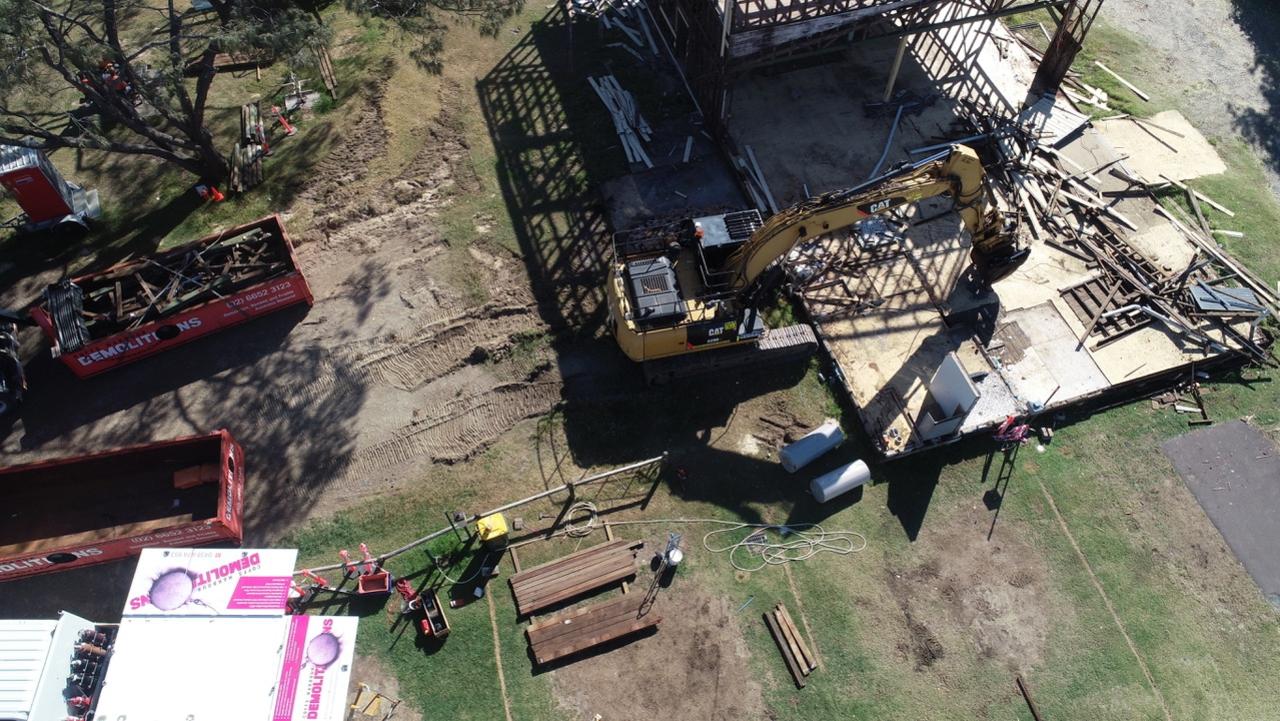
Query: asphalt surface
[1234, 472]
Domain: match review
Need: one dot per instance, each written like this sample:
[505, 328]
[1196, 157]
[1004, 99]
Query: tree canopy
[132, 76]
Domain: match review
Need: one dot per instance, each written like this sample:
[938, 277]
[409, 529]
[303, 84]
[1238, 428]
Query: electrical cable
[807, 541]
[571, 529]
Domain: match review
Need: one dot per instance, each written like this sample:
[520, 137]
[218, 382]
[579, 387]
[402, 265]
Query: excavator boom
[957, 171]
[676, 292]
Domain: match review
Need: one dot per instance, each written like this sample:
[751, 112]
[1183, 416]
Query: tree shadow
[286, 403]
[1260, 22]
[41, 258]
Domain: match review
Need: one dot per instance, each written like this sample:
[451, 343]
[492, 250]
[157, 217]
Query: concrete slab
[1233, 470]
[807, 127]
[1154, 151]
[1166, 246]
[672, 191]
[1042, 363]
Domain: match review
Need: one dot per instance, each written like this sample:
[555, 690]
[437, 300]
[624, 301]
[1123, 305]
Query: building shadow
[549, 132]
[1260, 22]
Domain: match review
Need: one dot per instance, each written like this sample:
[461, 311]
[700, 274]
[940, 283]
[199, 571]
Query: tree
[142, 69]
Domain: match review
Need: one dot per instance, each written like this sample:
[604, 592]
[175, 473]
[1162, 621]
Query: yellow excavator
[683, 296]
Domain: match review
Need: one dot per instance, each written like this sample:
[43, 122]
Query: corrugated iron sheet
[24, 647]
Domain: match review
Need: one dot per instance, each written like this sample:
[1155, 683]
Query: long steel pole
[529, 499]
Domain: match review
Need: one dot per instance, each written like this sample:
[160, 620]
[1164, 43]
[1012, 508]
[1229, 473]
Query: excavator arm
[957, 171]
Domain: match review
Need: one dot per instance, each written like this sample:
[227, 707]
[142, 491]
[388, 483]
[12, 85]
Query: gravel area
[1219, 61]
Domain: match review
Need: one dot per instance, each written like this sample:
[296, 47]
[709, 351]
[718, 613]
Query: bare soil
[371, 671]
[994, 596]
[411, 354]
[694, 667]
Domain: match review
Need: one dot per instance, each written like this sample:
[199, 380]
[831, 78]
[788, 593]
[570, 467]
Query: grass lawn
[937, 627]
[1177, 631]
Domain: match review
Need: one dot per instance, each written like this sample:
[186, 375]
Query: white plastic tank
[840, 481]
[811, 446]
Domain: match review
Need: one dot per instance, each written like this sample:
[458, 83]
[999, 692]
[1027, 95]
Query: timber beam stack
[796, 652]
[582, 628]
[630, 125]
[573, 575]
[246, 156]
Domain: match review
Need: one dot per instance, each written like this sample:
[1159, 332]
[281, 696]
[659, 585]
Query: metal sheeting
[16, 157]
[24, 647]
[1225, 300]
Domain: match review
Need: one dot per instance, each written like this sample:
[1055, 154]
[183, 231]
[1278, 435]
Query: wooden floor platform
[581, 628]
[573, 575]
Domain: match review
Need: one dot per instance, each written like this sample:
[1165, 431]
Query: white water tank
[813, 444]
[840, 481]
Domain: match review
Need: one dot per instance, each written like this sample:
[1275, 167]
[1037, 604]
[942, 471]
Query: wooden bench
[573, 575]
[581, 628]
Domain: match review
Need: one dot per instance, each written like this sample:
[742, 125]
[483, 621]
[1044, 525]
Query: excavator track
[779, 345]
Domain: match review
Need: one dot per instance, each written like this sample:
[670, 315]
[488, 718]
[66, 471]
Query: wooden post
[897, 65]
[1026, 695]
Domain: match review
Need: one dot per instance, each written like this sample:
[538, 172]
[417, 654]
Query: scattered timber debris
[135, 293]
[630, 125]
[1186, 398]
[1214, 304]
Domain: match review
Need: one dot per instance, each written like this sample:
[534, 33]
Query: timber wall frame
[717, 41]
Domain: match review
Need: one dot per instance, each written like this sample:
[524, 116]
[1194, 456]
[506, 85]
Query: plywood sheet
[1153, 151]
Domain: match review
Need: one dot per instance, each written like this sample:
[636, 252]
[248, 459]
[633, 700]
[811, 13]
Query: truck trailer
[104, 320]
[79, 511]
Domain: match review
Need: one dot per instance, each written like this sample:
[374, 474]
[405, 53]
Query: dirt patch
[993, 594]
[419, 348]
[371, 671]
[776, 425]
[695, 667]
[434, 349]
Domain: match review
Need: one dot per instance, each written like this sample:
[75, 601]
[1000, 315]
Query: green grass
[1207, 636]
[149, 205]
[1114, 48]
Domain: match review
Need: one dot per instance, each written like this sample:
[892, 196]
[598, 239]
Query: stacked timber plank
[795, 651]
[573, 575]
[582, 628]
[630, 18]
[232, 61]
[327, 75]
[246, 156]
[630, 125]
[756, 185]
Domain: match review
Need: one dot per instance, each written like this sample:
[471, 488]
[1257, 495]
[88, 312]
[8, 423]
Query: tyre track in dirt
[434, 372]
[455, 432]
[434, 352]
[440, 350]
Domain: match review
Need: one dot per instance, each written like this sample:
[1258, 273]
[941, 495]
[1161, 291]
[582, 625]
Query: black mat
[1234, 472]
